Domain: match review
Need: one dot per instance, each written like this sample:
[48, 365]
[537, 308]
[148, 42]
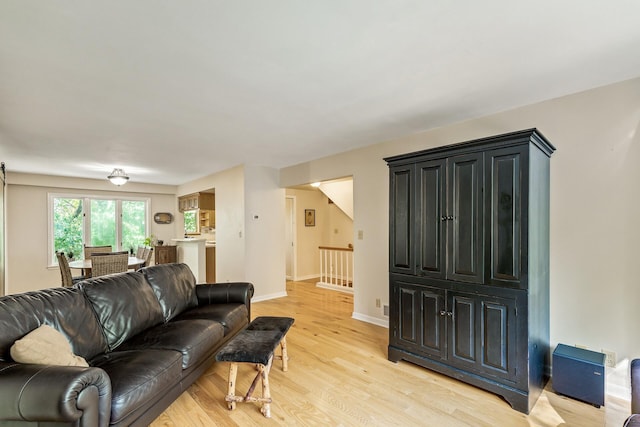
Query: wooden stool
[256, 345]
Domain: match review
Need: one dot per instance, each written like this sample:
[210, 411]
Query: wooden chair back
[140, 252]
[148, 252]
[109, 263]
[65, 271]
[89, 250]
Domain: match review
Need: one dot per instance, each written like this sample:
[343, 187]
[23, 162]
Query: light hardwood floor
[339, 376]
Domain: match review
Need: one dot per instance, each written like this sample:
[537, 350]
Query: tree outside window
[67, 226]
[103, 223]
[134, 224]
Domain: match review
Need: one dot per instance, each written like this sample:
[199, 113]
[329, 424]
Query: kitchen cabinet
[195, 201]
[469, 262]
[207, 218]
[211, 264]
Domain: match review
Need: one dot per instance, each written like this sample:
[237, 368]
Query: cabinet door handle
[443, 313]
[443, 218]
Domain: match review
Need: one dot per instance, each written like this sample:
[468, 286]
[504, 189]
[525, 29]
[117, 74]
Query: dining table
[85, 264]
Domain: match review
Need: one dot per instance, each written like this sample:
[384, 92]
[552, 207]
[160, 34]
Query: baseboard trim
[269, 296]
[307, 277]
[335, 288]
[370, 319]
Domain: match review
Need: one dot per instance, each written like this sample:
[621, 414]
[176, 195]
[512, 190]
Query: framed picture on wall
[310, 217]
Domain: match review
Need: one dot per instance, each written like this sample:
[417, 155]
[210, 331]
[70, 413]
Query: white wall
[338, 231]
[230, 241]
[247, 249]
[265, 232]
[27, 228]
[594, 209]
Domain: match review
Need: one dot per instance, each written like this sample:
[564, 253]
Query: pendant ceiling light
[118, 177]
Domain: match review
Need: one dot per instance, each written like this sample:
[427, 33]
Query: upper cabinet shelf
[195, 201]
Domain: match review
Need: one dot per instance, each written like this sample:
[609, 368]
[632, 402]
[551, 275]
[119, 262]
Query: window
[76, 221]
[134, 223]
[67, 226]
[191, 222]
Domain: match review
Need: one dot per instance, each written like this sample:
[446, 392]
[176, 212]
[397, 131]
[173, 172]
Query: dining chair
[89, 250]
[147, 256]
[65, 272]
[140, 252]
[108, 263]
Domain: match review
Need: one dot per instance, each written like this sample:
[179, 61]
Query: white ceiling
[175, 90]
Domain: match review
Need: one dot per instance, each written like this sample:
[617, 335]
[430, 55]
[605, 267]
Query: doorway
[331, 206]
[290, 231]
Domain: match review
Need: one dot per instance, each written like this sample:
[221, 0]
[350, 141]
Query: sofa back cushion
[64, 309]
[124, 305]
[175, 287]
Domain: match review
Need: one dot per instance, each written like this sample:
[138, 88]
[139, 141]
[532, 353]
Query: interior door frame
[290, 222]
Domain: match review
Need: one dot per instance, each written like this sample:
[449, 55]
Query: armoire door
[482, 336]
[497, 345]
[418, 319]
[401, 220]
[464, 224]
[433, 322]
[431, 220]
[404, 315]
[506, 252]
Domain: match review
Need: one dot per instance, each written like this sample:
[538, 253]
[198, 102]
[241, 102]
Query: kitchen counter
[191, 251]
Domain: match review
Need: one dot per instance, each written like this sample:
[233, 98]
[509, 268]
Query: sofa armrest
[221, 293]
[632, 421]
[55, 394]
[635, 386]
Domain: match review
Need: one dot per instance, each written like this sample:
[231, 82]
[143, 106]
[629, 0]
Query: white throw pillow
[45, 346]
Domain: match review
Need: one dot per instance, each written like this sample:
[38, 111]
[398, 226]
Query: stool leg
[231, 391]
[285, 357]
[266, 393]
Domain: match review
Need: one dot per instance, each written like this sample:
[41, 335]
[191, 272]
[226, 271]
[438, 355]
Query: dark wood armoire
[469, 262]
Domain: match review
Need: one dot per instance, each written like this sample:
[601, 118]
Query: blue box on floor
[579, 373]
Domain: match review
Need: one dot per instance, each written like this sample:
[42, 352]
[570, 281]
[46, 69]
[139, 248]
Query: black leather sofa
[146, 335]
[634, 419]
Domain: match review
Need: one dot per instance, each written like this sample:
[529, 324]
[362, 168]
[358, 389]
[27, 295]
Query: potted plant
[150, 241]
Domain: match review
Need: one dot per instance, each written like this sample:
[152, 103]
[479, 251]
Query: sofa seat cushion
[124, 304]
[195, 339]
[232, 316]
[138, 378]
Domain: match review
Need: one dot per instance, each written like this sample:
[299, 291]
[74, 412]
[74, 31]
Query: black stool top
[256, 343]
[268, 323]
